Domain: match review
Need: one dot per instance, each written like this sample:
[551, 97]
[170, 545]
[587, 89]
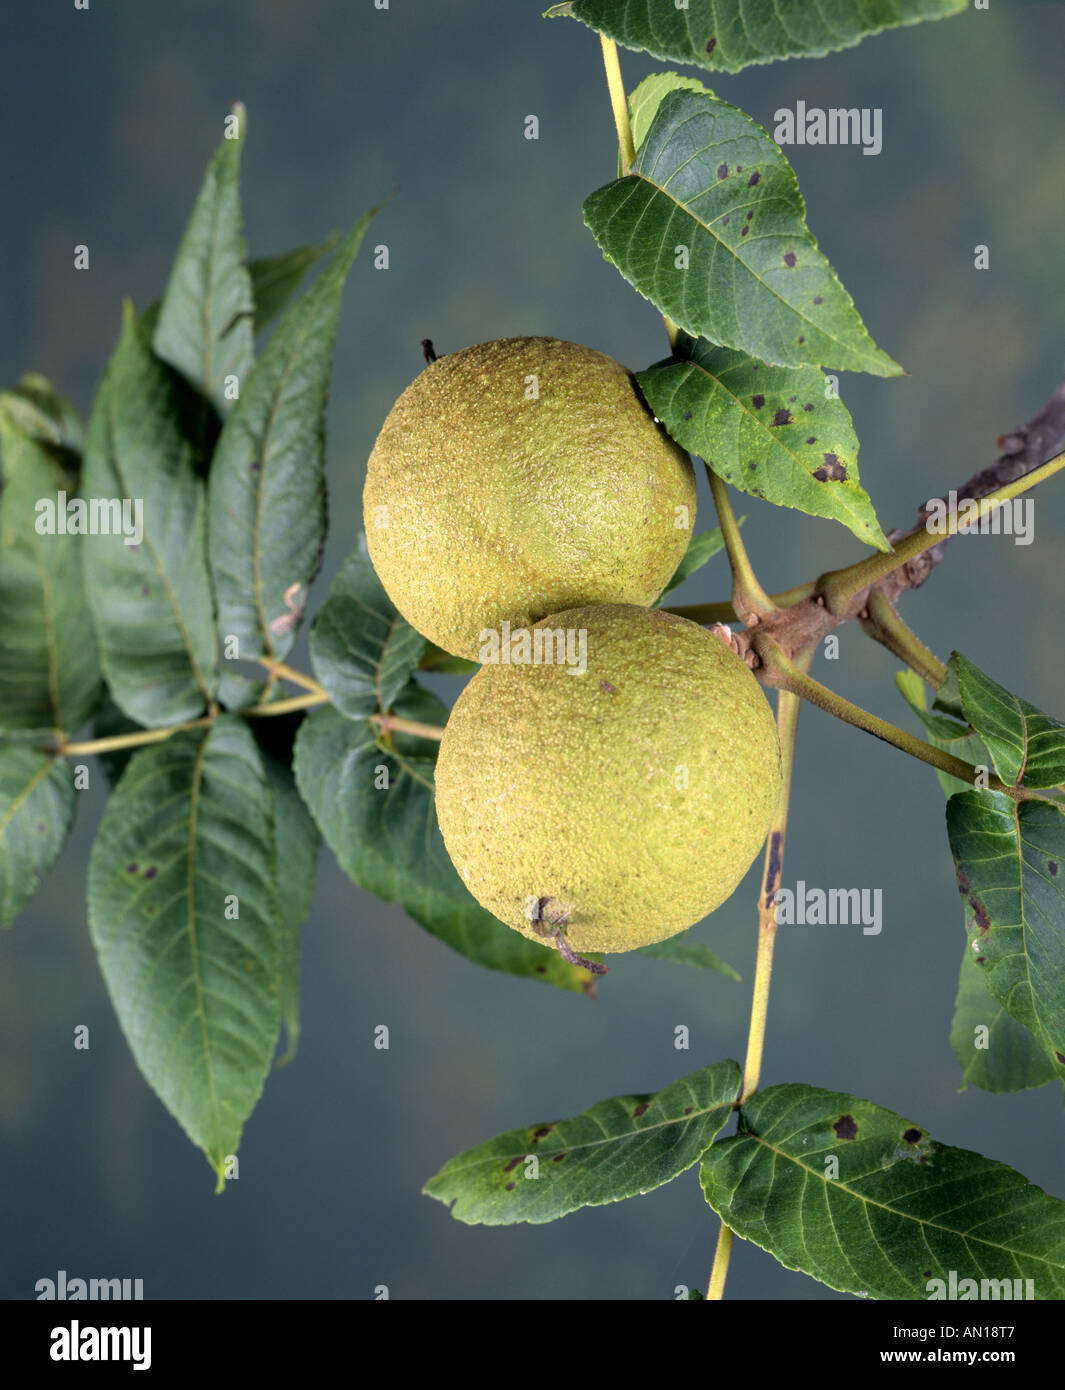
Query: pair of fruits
[610, 772]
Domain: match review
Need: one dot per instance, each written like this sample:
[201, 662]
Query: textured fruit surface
[518, 478]
[633, 798]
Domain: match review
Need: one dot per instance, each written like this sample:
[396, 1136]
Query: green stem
[749, 599]
[788, 706]
[618, 102]
[722, 1254]
[839, 587]
[724, 612]
[278, 668]
[294, 702]
[116, 741]
[790, 677]
[407, 726]
[887, 627]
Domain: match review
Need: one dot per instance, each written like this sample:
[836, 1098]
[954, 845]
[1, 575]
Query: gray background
[109, 118]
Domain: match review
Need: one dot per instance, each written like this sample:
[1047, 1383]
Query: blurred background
[109, 118]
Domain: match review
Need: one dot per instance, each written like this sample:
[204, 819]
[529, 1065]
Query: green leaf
[36, 812]
[710, 227]
[1010, 860]
[188, 833]
[297, 842]
[770, 431]
[49, 670]
[702, 547]
[645, 100]
[376, 812]
[944, 731]
[275, 279]
[267, 484]
[204, 327]
[995, 1051]
[37, 409]
[683, 951]
[1025, 744]
[362, 650]
[902, 1211]
[728, 35]
[618, 1148]
[151, 603]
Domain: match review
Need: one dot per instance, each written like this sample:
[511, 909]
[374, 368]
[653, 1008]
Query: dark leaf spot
[750, 215]
[607, 688]
[559, 1157]
[755, 178]
[818, 299]
[145, 590]
[745, 230]
[541, 970]
[927, 1274]
[739, 168]
[808, 406]
[790, 259]
[782, 417]
[640, 1109]
[812, 439]
[758, 402]
[512, 1164]
[687, 1110]
[1060, 1058]
[151, 872]
[511, 1186]
[833, 470]
[688, 416]
[725, 221]
[256, 466]
[131, 868]
[979, 960]
[722, 171]
[983, 921]
[541, 1133]
[802, 339]
[711, 44]
[1052, 866]
[752, 466]
[912, 1136]
[846, 1127]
